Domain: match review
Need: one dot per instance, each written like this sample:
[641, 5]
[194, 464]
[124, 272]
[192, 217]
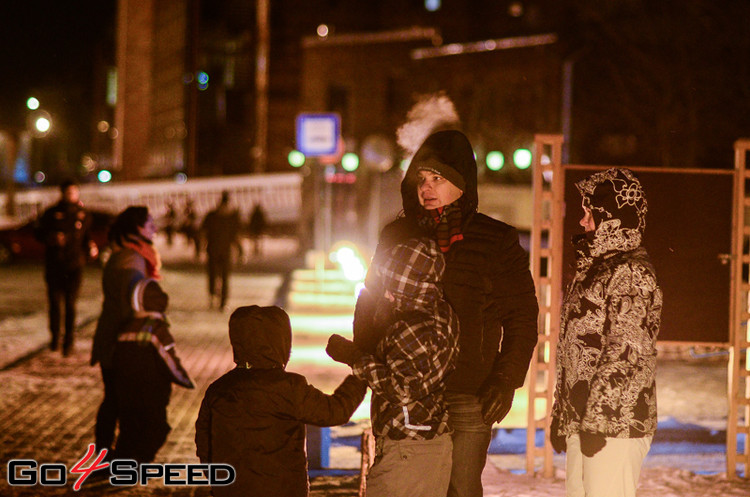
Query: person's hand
[591, 443]
[496, 398]
[342, 350]
[559, 443]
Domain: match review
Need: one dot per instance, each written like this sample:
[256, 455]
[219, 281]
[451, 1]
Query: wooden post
[261, 87]
[546, 268]
[739, 339]
[368, 457]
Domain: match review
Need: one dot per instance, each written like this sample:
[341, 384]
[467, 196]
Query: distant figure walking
[64, 231]
[189, 228]
[220, 227]
[170, 223]
[256, 227]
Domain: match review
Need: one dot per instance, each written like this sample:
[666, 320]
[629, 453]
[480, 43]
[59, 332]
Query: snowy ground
[686, 460]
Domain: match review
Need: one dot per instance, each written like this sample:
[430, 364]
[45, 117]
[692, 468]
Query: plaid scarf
[445, 222]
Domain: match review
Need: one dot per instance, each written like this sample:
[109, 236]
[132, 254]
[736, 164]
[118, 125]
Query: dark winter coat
[123, 270]
[254, 416]
[606, 355]
[64, 231]
[487, 279]
[221, 227]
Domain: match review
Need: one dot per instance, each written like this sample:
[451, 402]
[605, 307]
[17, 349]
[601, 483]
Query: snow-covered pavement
[48, 403]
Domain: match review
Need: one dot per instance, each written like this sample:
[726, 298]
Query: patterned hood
[410, 271]
[618, 206]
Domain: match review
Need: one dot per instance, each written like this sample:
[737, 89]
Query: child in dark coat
[254, 416]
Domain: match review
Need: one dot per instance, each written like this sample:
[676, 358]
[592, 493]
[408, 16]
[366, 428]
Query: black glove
[559, 443]
[496, 397]
[342, 350]
[591, 443]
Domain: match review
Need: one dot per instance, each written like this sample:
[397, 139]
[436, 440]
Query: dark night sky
[50, 45]
[49, 48]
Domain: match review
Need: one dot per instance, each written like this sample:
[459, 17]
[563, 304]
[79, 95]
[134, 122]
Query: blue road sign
[318, 134]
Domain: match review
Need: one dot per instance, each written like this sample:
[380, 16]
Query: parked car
[17, 241]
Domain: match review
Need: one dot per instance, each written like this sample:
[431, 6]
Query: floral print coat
[606, 354]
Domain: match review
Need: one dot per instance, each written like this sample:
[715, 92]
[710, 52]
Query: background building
[642, 84]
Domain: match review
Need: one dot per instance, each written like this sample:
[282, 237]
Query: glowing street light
[296, 158]
[522, 158]
[42, 124]
[350, 162]
[349, 259]
[39, 123]
[32, 103]
[104, 176]
[495, 160]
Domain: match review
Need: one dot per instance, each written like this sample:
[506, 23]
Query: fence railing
[278, 194]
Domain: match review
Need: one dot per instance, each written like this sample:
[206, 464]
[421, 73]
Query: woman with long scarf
[134, 258]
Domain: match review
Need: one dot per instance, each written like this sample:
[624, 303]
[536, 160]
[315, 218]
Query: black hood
[261, 337]
[449, 147]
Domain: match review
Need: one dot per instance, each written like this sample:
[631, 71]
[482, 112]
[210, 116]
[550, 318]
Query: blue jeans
[471, 439]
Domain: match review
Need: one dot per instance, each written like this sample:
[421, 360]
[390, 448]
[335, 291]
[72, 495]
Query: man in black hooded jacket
[488, 283]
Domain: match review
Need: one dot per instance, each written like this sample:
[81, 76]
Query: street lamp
[39, 123]
[42, 124]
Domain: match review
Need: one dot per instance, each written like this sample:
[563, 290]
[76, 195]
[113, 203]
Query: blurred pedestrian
[170, 223]
[487, 281]
[256, 228]
[415, 338]
[604, 413]
[64, 231]
[254, 416]
[221, 228]
[133, 258]
[190, 229]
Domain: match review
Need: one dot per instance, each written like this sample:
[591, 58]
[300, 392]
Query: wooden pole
[260, 152]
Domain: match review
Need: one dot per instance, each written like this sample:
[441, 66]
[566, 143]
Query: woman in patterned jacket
[604, 412]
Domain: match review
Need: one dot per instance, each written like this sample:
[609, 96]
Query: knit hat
[433, 165]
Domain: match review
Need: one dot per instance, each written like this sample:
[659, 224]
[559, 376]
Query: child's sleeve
[320, 409]
[203, 431]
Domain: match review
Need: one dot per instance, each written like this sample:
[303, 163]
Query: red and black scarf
[445, 223]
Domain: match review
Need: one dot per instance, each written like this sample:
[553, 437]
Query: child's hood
[411, 272]
[261, 337]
